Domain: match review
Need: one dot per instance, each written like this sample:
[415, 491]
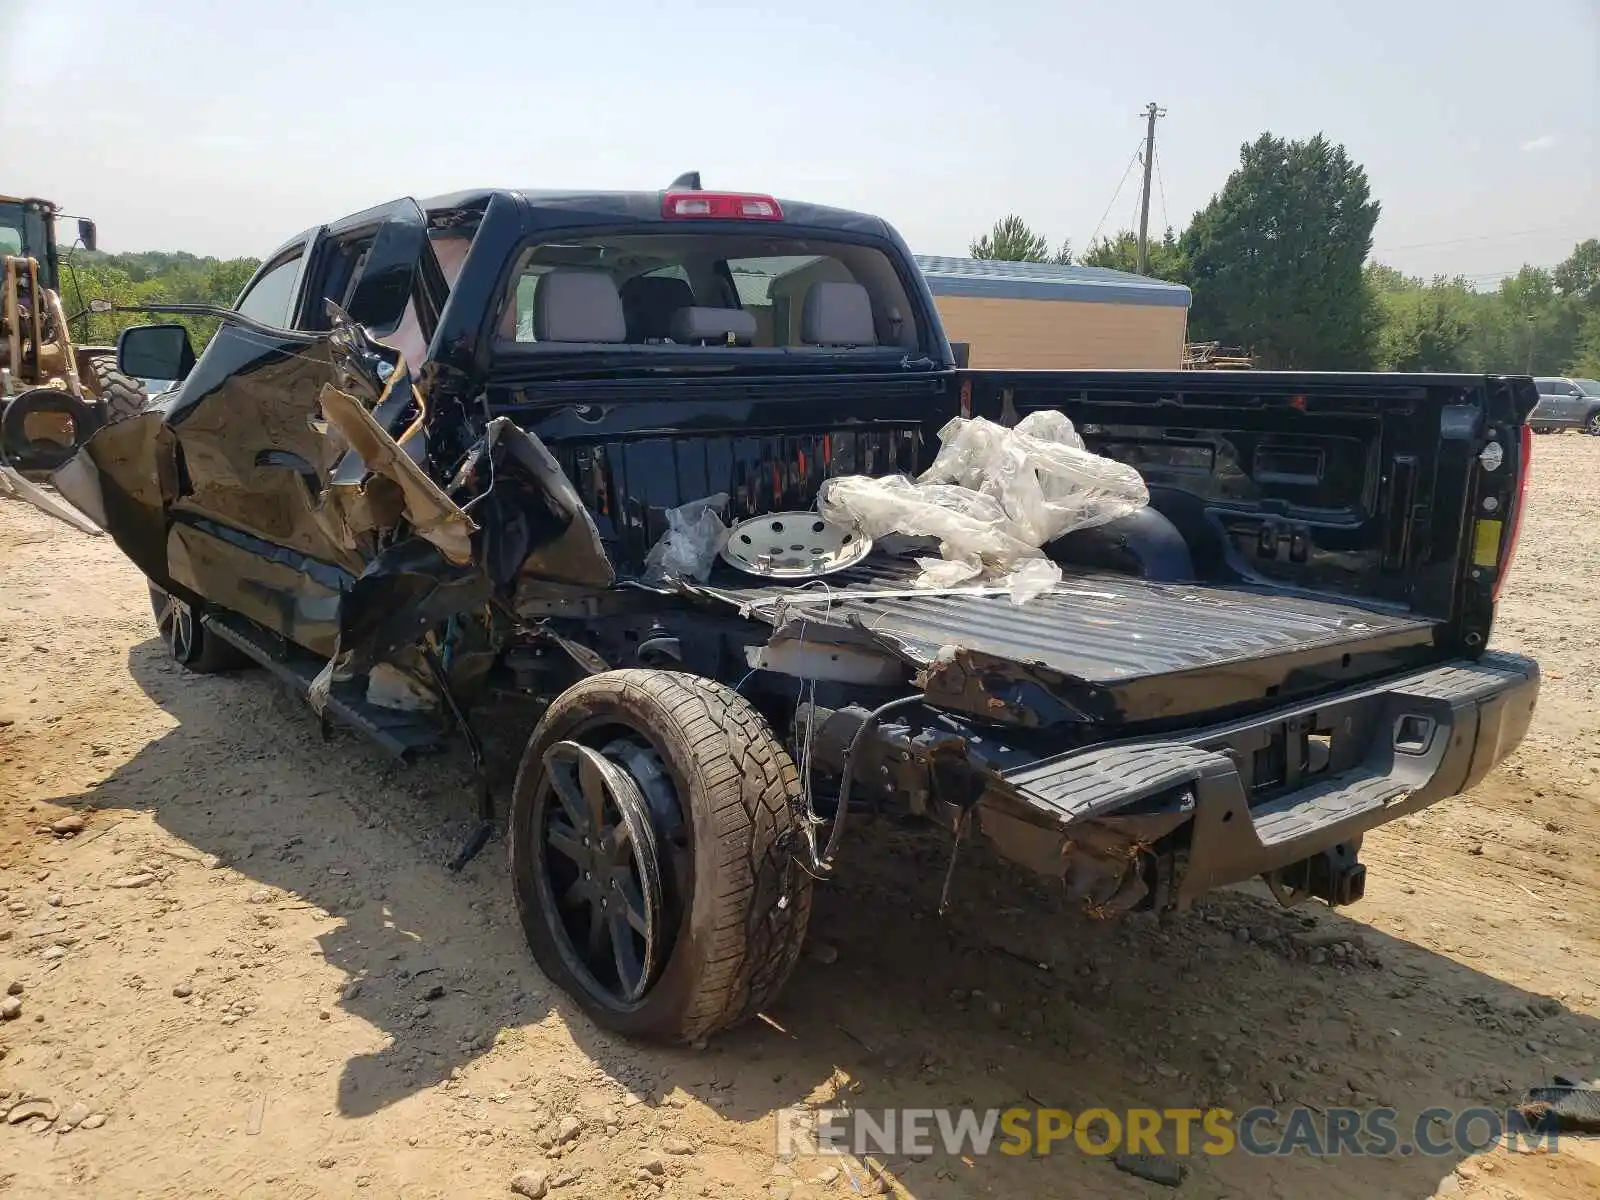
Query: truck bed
[1113, 647]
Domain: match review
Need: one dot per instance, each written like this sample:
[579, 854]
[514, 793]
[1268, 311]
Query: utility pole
[1151, 112]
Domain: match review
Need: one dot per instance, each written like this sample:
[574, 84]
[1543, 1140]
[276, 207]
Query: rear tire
[185, 637]
[717, 900]
[121, 396]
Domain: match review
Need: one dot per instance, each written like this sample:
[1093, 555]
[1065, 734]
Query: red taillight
[719, 206]
[1524, 470]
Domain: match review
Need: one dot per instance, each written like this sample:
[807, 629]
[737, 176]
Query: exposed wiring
[848, 771]
[808, 697]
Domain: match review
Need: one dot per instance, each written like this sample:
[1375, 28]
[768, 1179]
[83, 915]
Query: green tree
[151, 277]
[1275, 259]
[1538, 327]
[1586, 361]
[1578, 275]
[1121, 253]
[1011, 240]
[1384, 280]
[1424, 327]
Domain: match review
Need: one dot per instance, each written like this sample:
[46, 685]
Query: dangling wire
[1096, 234]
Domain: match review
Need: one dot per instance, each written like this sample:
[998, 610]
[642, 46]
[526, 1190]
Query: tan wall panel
[1065, 335]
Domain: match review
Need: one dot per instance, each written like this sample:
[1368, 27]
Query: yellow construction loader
[53, 394]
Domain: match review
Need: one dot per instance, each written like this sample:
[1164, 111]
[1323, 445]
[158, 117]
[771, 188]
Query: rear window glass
[744, 290]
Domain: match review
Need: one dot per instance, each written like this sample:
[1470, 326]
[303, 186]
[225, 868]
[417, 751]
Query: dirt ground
[254, 977]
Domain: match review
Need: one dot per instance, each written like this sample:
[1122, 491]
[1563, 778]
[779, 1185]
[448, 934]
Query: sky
[223, 128]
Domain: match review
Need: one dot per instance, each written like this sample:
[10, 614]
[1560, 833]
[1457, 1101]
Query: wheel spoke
[566, 841]
[625, 898]
[182, 631]
[563, 772]
[625, 955]
[593, 785]
[579, 894]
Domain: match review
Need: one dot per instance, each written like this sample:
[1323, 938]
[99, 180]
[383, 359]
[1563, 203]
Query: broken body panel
[1285, 650]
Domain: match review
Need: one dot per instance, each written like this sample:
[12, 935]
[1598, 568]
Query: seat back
[648, 302]
[837, 314]
[571, 305]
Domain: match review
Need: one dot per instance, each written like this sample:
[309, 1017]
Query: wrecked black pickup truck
[444, 450]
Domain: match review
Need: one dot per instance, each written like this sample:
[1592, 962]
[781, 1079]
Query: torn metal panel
[1018, 694]
[535, 528]
[422, 502]
[78, 482]
[26, 489]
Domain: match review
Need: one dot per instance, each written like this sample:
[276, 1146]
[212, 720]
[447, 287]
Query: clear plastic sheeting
[694, 537]
[993, 498]
[1040, 473]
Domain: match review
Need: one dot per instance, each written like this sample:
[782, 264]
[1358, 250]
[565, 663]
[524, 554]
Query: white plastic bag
[1039, 472]
[1032, 579]
[993, 498]
[947, 572]
[694, 537]
[969, 525]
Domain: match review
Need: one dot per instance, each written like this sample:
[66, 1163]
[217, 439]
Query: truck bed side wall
[1364, 486]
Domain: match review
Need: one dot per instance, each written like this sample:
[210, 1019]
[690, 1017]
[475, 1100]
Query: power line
[1479, 237]
[1132, 159]
[1162, 186]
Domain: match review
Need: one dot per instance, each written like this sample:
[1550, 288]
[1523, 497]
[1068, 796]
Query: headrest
[578, 306]
[837, 314]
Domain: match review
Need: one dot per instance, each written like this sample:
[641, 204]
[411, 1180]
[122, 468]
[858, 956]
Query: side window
[271, 299]
[517, 325]
[337, 270]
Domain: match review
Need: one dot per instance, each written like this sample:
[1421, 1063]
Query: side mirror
[97, 305]
[87, 234]
[155, 352]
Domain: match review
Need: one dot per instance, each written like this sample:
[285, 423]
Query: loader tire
[120, 396]
[43, 428]
[712, 871]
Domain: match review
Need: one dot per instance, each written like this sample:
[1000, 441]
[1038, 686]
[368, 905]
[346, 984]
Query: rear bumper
[1330, 771]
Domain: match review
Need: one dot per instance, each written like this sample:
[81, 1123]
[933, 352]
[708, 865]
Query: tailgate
[1099, 647]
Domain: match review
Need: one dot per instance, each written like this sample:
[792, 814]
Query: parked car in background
[1566, 404]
